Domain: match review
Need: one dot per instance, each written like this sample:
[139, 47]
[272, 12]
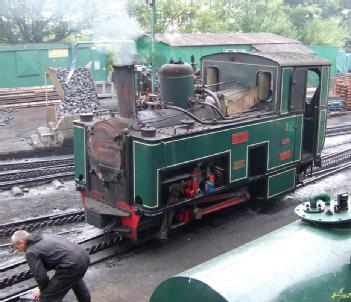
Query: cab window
[212, 78]
[298, 89]
[264, 81]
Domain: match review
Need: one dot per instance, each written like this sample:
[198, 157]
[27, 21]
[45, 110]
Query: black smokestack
[124, 83]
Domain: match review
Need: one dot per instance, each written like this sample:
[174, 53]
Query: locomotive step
[121, 229]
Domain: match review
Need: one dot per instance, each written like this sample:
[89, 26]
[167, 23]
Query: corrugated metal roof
[287, 47]
[202, 39]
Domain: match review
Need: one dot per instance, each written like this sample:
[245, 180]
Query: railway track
[335, 159]
[322, 173]
[35, 170]
[31, 224]
[38, 163]
[338, 130]
[330, 164]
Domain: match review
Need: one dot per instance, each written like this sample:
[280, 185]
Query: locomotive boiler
[243, 132]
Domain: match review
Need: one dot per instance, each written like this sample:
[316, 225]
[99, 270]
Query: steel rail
[31, 224]
[34, 170]
[31, 173]
[335, 158]
[34, 163]
[338, 130]
[44, 178]
[325, 174]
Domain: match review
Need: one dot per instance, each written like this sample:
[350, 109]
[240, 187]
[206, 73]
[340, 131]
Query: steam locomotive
[242, 132]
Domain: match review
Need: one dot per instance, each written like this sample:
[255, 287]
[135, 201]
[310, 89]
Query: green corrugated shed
[183, 45]
[164, 51]
[25, 65]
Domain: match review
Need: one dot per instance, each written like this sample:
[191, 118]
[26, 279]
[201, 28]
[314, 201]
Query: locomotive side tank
[247, 134]
[296, 263]
[299, 262]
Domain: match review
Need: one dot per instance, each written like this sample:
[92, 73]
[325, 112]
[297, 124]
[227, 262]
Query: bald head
[19, 240]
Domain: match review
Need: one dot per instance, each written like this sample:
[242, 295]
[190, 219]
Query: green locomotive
[245, 131]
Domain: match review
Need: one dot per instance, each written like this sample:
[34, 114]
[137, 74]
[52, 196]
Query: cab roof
[278, 58]
[293, 59]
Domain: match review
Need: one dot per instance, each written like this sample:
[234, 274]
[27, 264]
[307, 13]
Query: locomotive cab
[245, 131]
[281, 87]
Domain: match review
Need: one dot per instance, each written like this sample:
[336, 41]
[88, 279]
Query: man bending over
[52, 252]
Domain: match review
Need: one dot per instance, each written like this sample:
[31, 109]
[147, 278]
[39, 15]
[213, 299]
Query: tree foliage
[33, 21]
[311, 21]
[322, 31]
[171, 14]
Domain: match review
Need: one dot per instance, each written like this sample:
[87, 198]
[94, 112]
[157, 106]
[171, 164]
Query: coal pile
[80, 93]
[6, 115]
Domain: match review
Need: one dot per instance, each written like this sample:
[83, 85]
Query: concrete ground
[339, 120]
[40, 200]
[15, 136]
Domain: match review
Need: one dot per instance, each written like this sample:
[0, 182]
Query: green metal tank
[176, 83]
[299, 262]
